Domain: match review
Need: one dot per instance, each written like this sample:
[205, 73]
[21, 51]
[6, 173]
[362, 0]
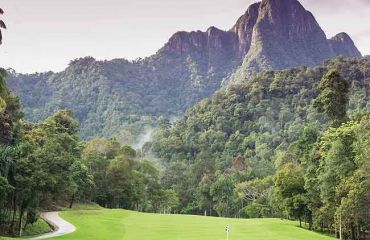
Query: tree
[222, 192]
[169, 200]
[204, 192]
[289, 187]
[82, 182]
[9, 110]
[2, 26]
[120, 179]
[334, 97]
[257, 194]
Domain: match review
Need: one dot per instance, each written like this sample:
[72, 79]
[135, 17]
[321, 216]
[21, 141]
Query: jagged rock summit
[272, 34]
[286, 35]
[342, 44]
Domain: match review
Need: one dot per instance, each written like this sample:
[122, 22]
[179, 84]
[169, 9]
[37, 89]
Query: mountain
[287, 35]
[342, 44]
[119, 97]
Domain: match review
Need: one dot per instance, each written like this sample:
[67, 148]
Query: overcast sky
[46, 34]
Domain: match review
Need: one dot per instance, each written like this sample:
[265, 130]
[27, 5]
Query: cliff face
[209, 42]
[243, 29]
[214, 42]
[272, 34]
[342, 44]
[286, 35]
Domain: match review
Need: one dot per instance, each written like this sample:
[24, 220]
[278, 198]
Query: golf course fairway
[128, 225]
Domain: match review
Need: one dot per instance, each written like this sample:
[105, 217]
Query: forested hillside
[124, 99]
[237, 152]
[108, 96]
[46, 166]
[257, 117]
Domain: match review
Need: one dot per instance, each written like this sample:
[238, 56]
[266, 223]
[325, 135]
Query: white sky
[46, 34]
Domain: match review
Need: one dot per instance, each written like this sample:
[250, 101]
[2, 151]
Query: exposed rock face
[210, 42]
[243, 29]
[286, 35]
[367, 57]
[343, 45]
[272, 34]
[215, 43]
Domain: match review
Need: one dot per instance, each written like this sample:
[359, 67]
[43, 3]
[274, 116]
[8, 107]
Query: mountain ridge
[107, 96]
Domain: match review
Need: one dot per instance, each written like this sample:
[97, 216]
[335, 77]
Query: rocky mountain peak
[271, 34]
[288, 16]
[243, 29]
[286, 35]
[342, 44]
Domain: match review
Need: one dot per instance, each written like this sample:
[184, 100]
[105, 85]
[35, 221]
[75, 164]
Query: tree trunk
[353, 232]
[300, 221]
[310, 222]
[71, 202]
[340, 226]
[12, 226]
[20, 229]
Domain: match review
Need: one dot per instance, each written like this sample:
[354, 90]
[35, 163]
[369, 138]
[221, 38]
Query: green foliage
[39, 167]
[9, 110]
[121, 98]
[290, 191]
[122, 180]
[222, 191]
[270, 121]
[37, 228]
[343, 178]
[257, 194]
[329, 183]
[333, 98]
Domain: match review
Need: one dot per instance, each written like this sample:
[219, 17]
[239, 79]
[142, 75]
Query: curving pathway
[60, 226]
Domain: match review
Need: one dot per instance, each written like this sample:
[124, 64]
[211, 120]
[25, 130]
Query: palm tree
[2, 25]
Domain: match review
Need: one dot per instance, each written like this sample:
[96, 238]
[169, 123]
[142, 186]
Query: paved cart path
[60, 226]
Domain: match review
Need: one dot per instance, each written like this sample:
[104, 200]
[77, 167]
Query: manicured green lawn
[127, 225]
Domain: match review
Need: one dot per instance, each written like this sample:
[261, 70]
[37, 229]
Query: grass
[127, 225]
[37, 228]
[41, 226]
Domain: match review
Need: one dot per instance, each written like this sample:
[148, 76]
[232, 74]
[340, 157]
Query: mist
[143, 138]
